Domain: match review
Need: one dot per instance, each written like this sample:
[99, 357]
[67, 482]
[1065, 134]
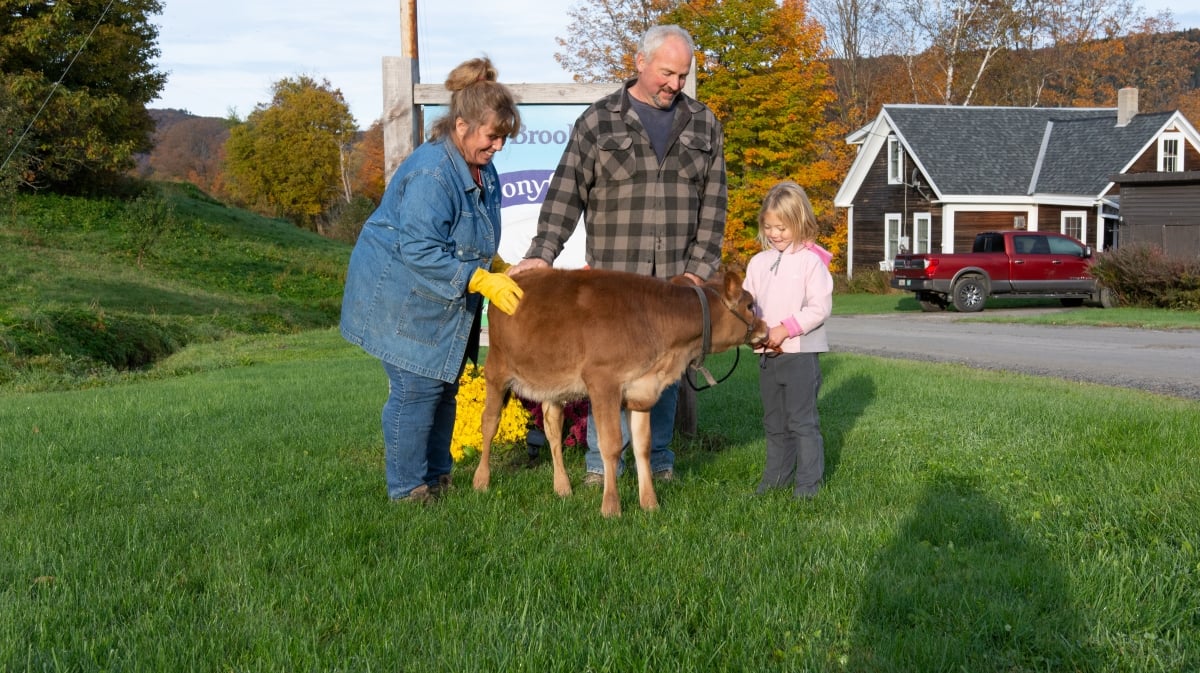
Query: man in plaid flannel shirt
[645, 168]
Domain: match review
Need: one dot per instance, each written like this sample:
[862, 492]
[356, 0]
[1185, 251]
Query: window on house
[895, 161]
[1170, 152]
[891, 226]
[922, 223]
[1074, 224]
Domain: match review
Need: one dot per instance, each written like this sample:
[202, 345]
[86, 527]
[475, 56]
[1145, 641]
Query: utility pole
[403, 126]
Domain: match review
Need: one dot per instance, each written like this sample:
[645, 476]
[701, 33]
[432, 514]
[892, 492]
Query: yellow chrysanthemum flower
[472, 391]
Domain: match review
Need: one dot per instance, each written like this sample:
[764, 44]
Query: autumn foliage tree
[367, 164]
[290, 157]
[365, 169]
[192, 150]
[604, 37]
[759, 66]
[1004, 52]
[78, 74]
[762, 70]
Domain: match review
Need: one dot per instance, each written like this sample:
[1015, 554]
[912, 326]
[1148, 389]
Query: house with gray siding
[928, 178]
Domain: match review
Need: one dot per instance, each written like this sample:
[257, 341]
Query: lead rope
[706, 338]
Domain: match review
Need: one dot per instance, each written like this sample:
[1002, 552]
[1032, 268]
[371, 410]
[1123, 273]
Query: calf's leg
[639, 429]
[552, 420]
[606, 409]
[492, 404]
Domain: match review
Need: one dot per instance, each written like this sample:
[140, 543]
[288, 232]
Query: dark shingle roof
[1082, 155]
[996, 151]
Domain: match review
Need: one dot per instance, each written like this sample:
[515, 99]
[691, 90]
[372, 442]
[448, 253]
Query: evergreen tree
[78, 74]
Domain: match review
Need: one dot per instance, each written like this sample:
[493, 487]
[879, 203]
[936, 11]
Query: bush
[146, 219]
[345, 220]
[869, 281]
[1145, 276]
[122, 342]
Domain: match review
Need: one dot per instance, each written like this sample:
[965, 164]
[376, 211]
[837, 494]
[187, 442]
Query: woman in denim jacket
[420, 271]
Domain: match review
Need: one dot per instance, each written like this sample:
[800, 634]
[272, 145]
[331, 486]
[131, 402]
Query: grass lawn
[1149, 318]
[233, 518]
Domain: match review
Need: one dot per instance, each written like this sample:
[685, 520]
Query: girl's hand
[775, 337]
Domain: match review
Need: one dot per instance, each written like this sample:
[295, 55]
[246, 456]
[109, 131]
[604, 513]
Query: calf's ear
[733, 284]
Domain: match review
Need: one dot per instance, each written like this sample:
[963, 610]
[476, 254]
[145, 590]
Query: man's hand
[527, 264]
[498, 288]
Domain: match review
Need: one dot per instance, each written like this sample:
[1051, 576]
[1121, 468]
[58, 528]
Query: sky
[222, 56]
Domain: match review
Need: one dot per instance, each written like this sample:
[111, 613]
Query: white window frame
[1170, 161]
[1068, 215]
[895, 152]
[892, 227]
[922, 233]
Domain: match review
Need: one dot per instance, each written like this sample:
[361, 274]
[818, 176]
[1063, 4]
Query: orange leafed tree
[192, 150]
[762, 70]
[366, 164]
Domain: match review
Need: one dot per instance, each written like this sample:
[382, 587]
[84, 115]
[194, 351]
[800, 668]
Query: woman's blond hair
[790, 204]
[477, 98]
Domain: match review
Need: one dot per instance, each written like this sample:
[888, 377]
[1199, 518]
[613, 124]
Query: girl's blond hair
[790, 204]
[477, 98]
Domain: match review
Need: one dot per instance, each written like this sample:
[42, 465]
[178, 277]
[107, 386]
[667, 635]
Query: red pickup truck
[1013, 264]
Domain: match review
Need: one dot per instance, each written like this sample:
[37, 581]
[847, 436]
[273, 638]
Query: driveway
[1157, 361]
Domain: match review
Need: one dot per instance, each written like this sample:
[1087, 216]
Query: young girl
[793, 290]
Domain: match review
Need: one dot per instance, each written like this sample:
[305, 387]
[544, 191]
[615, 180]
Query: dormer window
[1170, 153]
[895, 161]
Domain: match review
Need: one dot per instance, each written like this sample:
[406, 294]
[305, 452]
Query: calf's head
[739, 323]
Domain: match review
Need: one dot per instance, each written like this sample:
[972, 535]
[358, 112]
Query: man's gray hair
[654, 38]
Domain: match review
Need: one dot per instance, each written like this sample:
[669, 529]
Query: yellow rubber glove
[498, 288]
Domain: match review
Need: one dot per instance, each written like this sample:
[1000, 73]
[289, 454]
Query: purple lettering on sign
[524, 187]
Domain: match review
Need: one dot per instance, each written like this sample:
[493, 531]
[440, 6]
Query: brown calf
[616, 338]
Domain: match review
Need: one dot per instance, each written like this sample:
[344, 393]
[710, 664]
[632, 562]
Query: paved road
[1159, 361]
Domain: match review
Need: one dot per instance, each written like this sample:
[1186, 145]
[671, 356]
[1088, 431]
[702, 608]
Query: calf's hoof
[610, 505]
[482, 479]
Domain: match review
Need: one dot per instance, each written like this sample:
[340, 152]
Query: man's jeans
[662, 430]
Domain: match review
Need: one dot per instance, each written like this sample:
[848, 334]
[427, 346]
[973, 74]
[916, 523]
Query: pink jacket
[793, 288]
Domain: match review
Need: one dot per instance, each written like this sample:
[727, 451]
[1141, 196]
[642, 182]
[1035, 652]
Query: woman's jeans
[418, 423]
[662, 431]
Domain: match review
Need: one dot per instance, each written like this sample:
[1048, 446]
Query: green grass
[1149, 318]
[84, 276]
[235, 519]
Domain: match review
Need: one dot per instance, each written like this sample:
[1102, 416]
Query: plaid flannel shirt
[641, 216]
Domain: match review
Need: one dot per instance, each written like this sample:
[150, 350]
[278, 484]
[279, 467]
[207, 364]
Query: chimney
[1127, 105]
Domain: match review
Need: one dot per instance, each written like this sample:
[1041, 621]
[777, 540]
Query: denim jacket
[406, 300]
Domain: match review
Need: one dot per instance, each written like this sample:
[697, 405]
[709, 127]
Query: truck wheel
[931, 302]
[970, 294]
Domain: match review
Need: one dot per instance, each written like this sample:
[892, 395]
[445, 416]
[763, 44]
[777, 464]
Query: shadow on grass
[840, 408]
[134, 296]
[960, 588]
